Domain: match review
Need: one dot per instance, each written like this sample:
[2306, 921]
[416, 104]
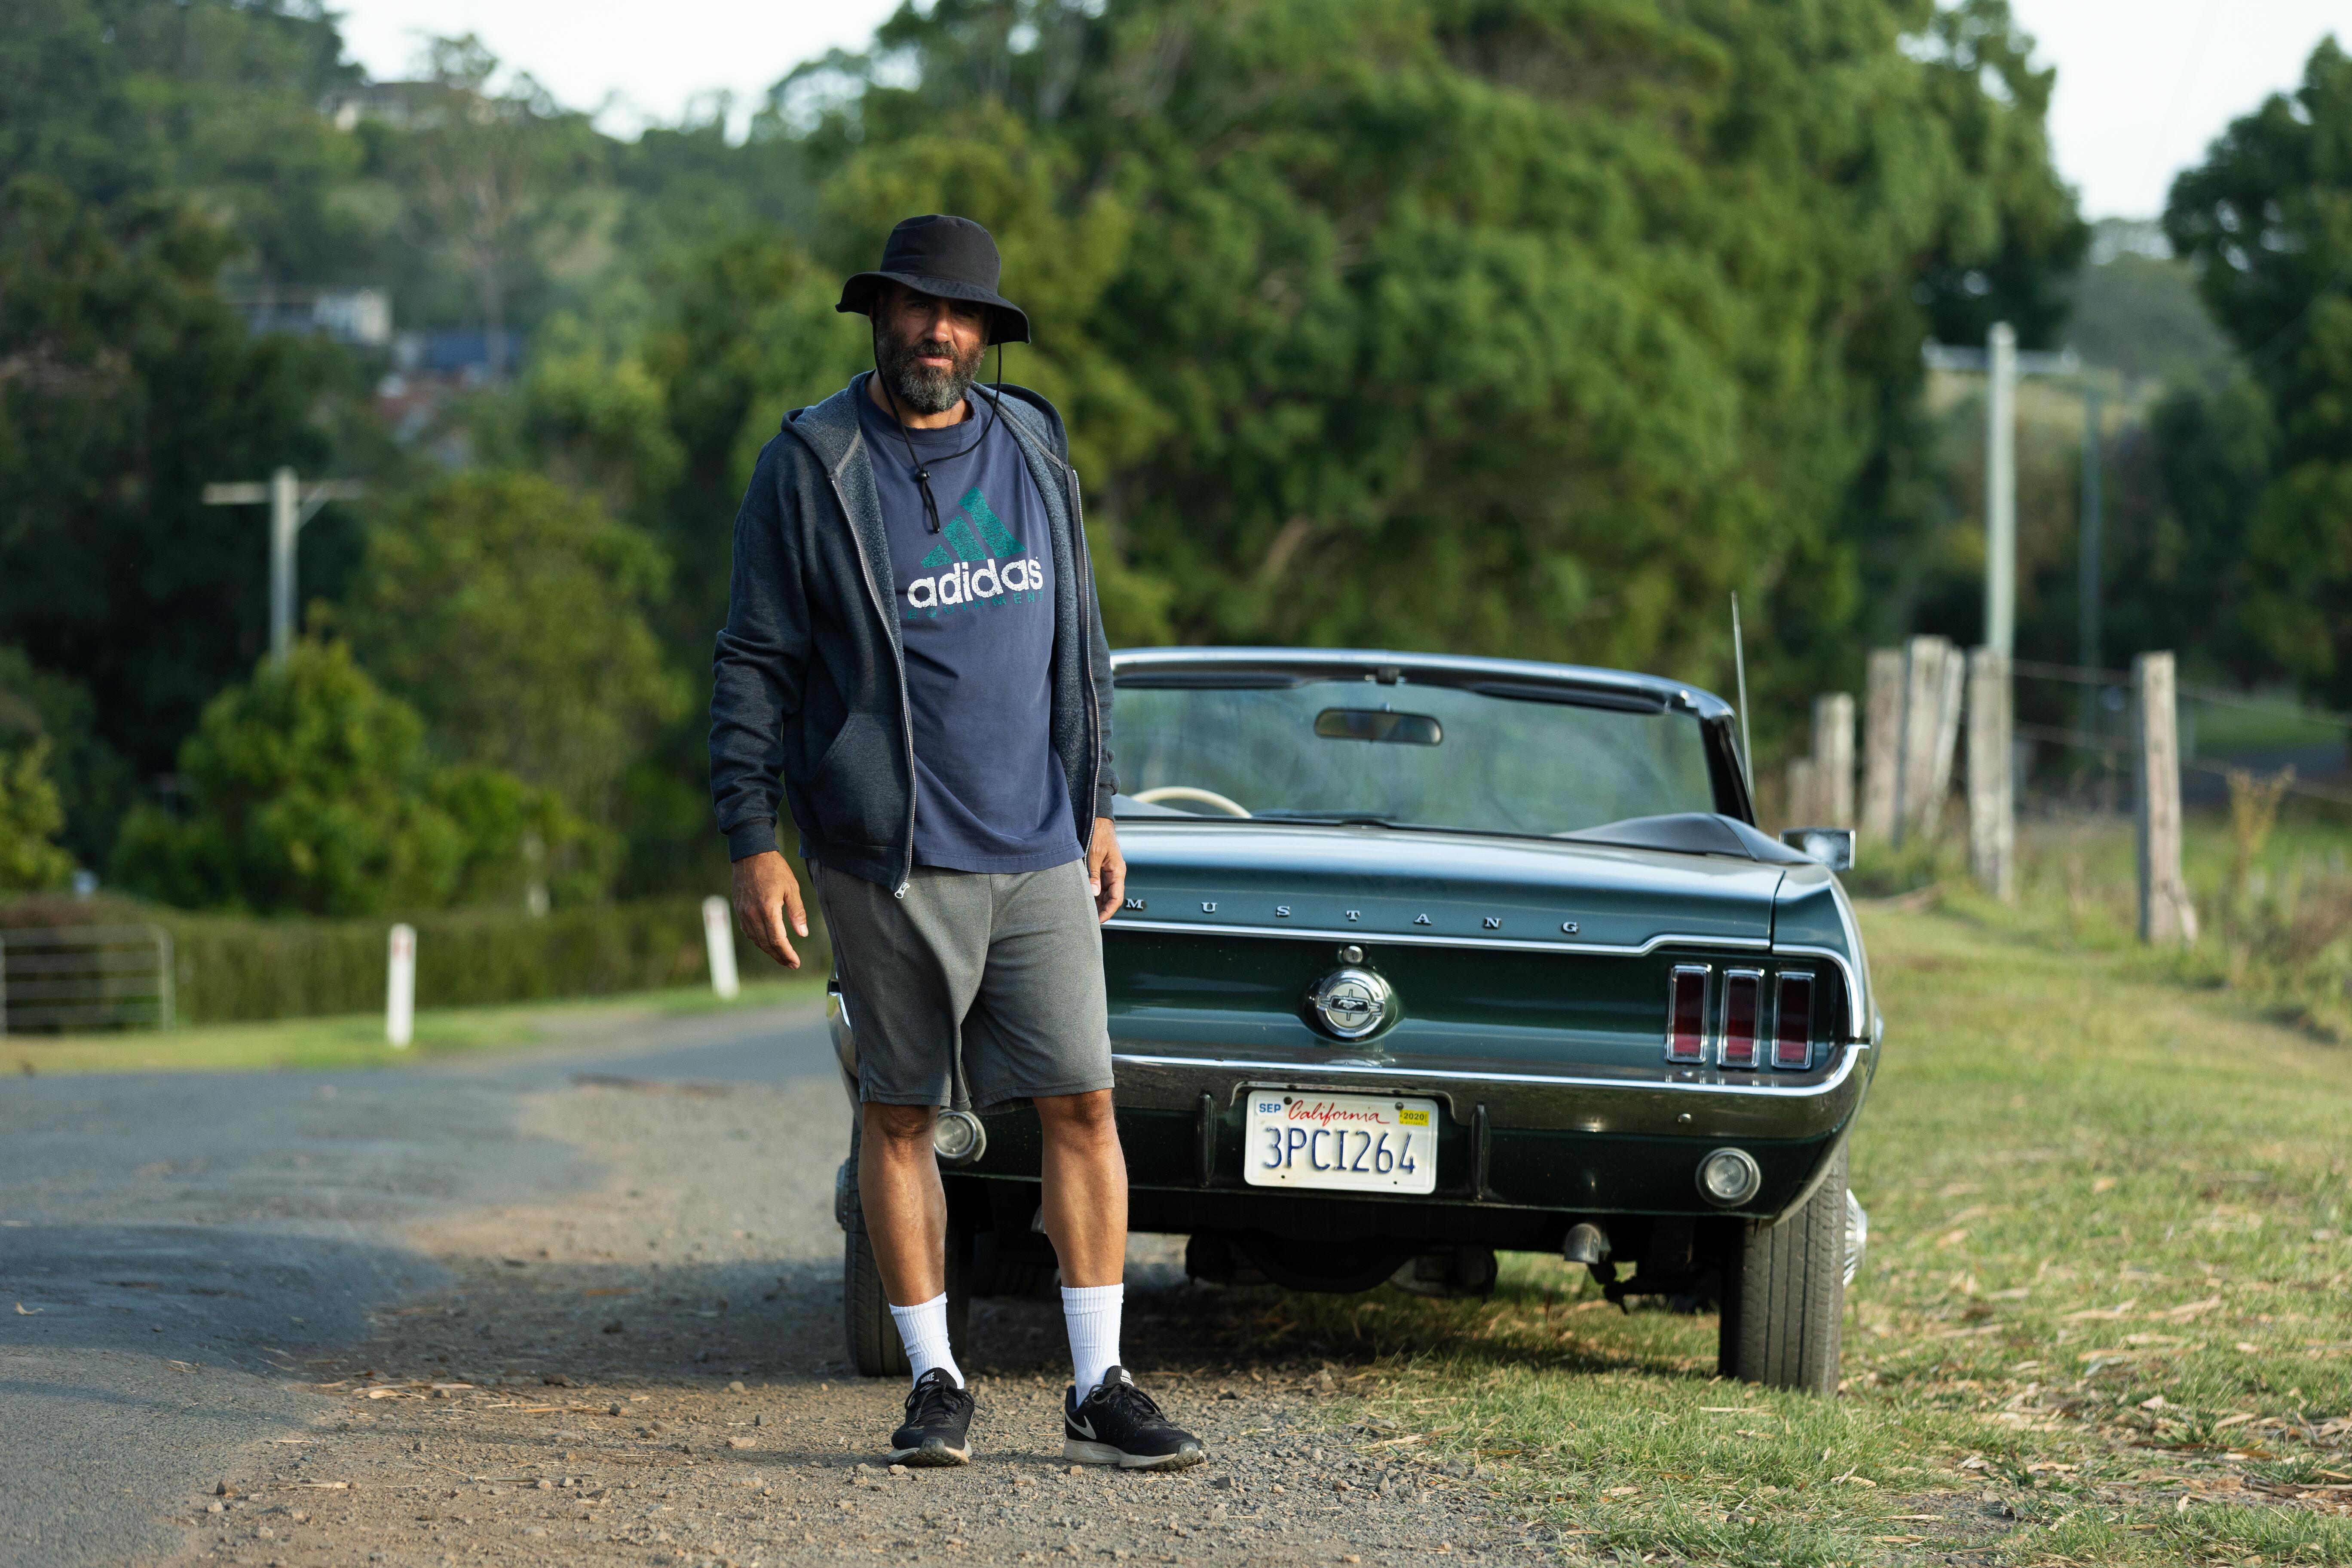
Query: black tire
[1784, 1294]
[875, 1348]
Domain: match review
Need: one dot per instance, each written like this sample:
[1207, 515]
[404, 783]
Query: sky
[2142, 85]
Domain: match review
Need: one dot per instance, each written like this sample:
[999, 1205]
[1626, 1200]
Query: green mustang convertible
[1424, 957]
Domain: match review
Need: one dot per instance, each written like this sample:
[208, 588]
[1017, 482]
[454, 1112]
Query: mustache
[906, 350]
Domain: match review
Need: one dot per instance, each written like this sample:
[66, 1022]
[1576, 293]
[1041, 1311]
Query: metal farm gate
[71, 978]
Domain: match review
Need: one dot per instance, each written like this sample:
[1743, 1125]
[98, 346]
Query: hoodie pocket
[855, 790]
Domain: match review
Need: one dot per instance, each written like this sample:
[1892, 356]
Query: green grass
[356, 1040]
[2108, 1273]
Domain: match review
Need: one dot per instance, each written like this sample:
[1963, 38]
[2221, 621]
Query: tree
[309, 789]
[2266, 220]
[1532, 326]
[498, 181]
[216, 101]
[126, 384]
[2189, 488]
[511, 613]
[40, 707]
[588, 414]
[31, 859]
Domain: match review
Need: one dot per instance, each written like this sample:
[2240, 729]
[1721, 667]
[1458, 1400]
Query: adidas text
[962, 584]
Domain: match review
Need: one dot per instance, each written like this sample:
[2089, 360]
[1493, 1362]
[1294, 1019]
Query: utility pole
[2088, 576]
[2000, 490]
[2003, 364]
[1992, 826]
[291, 504]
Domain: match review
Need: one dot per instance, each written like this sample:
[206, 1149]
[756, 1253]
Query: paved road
[171, 1245]
[509, 1308]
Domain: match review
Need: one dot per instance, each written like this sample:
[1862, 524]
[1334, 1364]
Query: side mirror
[1832, 847]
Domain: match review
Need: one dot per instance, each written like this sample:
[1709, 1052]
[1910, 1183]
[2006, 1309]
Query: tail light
[1687, 1013]
[1743, 996]
[1792, 1033]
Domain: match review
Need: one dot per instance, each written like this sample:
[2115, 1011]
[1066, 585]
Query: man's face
[929, 348]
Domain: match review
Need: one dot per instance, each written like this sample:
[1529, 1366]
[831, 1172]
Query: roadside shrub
[311, 790]
[31, 818]
[512, 613]
[2286, 944]
[236, 967]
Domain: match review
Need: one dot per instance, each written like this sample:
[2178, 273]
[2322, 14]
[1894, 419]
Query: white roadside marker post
[2166, 915]
[400, 987]
[719, 937]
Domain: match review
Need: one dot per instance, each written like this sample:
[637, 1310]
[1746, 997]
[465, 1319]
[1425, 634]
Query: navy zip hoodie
[808, 689]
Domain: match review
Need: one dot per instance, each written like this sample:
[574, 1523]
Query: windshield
[1424, 756]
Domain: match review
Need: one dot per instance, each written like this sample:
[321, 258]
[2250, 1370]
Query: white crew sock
[924, 1329]
[1092, 1312]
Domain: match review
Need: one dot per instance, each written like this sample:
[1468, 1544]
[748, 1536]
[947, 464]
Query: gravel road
[582, 1305]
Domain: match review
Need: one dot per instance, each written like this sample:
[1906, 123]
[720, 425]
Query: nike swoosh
[1086, 1428]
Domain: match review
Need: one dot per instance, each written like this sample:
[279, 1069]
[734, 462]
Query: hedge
[236, 967]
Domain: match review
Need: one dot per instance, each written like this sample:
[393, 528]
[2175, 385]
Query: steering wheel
[1188, 791]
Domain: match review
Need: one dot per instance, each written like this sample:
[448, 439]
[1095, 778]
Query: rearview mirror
[1378, 724]
[1832, 847]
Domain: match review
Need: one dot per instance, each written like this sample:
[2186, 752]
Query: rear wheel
[1784, 1294]
[875, 1348]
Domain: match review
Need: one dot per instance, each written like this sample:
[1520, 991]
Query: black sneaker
[1118, 1425]
[939, 1414]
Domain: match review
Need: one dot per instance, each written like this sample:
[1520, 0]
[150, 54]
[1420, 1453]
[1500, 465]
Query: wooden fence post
[1801, 809]
[1919, 783]
[1833, 760]
[1992, 819]
[1882, 738]
[2166, 913]
[1954, 674]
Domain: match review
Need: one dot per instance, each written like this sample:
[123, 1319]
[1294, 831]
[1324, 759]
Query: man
[912, 643]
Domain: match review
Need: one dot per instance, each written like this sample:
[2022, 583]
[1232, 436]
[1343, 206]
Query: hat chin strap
[922, 470]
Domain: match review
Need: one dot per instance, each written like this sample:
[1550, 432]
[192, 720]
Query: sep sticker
[1412, 1116]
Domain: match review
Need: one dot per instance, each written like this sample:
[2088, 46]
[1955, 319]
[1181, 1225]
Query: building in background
[359, 317]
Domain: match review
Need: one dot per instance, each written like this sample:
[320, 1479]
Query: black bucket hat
[948, 257]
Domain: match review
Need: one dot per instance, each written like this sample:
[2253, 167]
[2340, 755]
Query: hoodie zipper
[906, 709]
[1085, 650]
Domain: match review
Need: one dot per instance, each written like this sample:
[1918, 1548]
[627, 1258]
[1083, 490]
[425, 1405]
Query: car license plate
[1359, 1142]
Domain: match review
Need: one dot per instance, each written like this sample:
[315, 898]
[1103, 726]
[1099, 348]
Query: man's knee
[909, 1125]
[1078, 1118]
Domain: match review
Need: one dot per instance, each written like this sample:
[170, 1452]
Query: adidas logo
[974, 534]
[963, 585]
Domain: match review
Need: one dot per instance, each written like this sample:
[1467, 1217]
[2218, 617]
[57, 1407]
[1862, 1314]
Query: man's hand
[1105, 870]
[766, 893]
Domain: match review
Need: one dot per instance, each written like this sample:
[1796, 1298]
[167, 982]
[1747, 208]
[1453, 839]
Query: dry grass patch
[2104, 1319]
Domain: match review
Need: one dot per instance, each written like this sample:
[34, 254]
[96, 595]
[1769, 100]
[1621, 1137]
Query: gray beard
[919, 387]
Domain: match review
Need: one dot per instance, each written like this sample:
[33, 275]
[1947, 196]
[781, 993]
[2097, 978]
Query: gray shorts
[993, 979]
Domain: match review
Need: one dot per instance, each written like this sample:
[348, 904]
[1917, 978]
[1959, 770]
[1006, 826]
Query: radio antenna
[1740, 669]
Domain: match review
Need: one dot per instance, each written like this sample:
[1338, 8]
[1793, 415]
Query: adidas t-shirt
[976, 609]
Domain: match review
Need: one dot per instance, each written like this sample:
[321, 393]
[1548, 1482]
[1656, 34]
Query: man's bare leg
[905, 1207]
[1084, 1193]
[906, 1213]
[907, 1222]
[1106, 1420]
[1085, 1204]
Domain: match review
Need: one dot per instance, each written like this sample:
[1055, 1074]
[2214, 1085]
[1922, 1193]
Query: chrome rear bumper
[1668, 1106]
[1660, 1107]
